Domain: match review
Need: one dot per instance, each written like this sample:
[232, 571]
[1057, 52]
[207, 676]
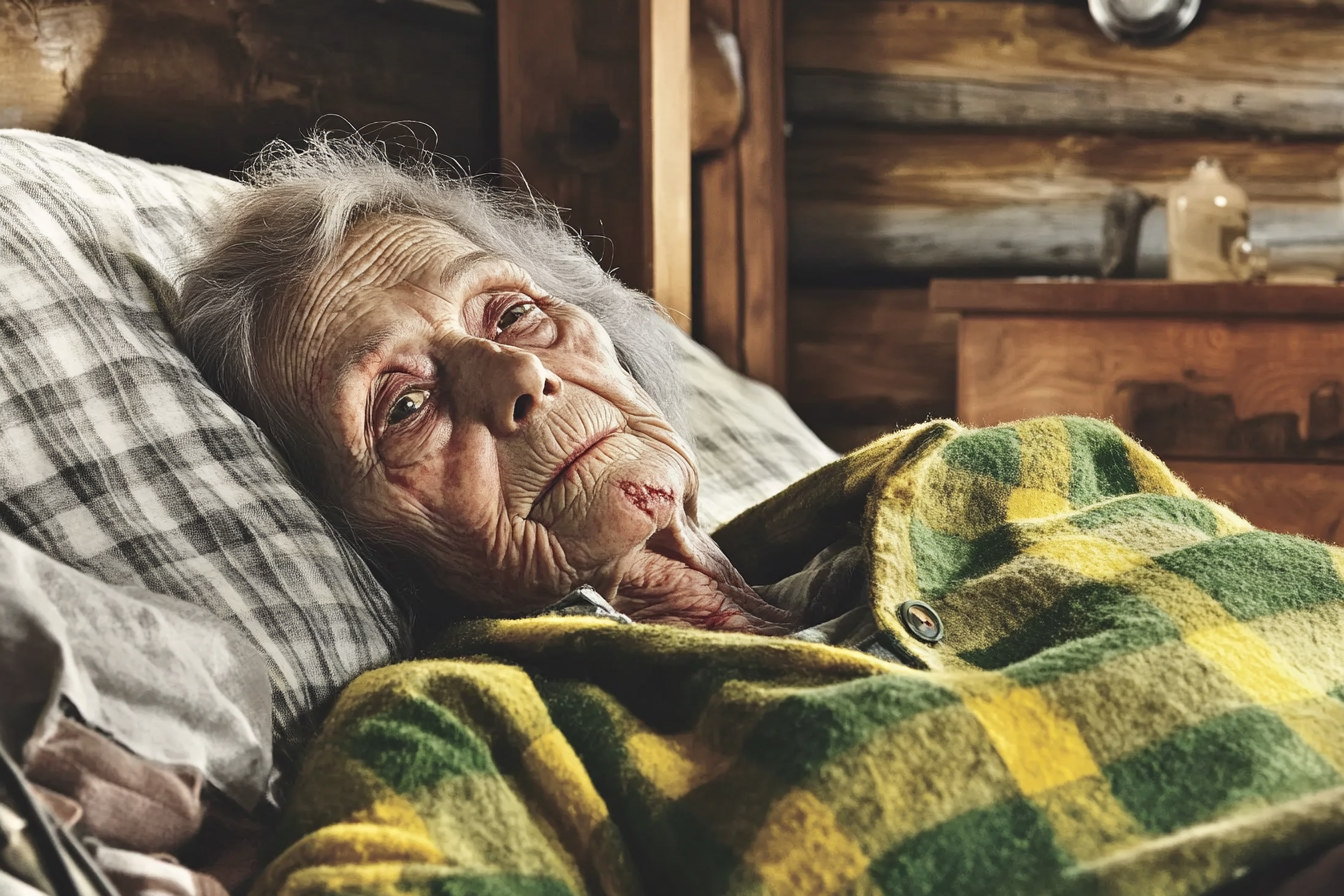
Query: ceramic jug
[1206, 216]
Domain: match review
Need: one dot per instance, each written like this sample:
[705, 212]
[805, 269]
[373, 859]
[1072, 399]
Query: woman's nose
[515, 388]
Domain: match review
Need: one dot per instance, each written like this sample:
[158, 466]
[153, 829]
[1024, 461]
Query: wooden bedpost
[595, 111]
[742, 239]
[762, 204]
[665, 110]
[596, 98]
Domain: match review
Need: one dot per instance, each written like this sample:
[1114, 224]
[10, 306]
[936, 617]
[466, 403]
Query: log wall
[207, 84]
[983, 137]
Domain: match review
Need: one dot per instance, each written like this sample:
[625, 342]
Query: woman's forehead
[379, 253]
[405, 221]
[396, 241]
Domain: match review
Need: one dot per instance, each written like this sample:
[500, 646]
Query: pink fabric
[128, 802]
[62, 808]
[145, 816]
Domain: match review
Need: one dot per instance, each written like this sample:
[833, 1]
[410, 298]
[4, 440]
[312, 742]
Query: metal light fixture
[1143, 22]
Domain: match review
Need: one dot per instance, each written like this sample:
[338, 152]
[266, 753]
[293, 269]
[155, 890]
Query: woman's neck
[683, 578]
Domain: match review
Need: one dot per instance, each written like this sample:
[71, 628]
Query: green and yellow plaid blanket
[1137, 693]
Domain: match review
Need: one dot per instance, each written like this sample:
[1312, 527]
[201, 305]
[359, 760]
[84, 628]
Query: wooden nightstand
[1236, 386]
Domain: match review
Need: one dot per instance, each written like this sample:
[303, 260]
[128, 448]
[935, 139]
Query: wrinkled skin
[461, 416]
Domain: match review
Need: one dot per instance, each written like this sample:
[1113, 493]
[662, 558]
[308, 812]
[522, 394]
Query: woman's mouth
[568, 463]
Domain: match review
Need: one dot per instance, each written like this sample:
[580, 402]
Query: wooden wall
[982, 138]
[205, 83]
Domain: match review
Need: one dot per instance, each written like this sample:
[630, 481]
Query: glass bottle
[1296, 261]
[1206, 215]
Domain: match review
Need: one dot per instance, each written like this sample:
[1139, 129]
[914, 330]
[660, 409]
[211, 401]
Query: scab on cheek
[648, 498]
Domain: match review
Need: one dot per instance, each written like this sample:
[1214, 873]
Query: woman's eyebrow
[464, 266]
[366, 350]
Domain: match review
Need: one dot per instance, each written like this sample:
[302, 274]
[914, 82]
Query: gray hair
[269, 242]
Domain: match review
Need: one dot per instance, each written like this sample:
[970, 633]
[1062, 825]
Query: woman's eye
[514, 314]
[407, 406]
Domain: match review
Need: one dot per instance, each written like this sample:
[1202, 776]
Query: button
[921, 621]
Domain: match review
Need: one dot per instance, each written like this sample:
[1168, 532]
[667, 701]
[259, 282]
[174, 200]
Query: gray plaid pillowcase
[115, 456]
[749, 442]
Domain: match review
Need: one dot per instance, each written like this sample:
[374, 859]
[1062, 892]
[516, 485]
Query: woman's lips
[568, 463]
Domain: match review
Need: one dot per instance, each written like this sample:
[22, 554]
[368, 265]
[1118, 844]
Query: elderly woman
[460, 382]
[1081, 679]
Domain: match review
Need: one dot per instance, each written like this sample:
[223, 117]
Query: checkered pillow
[749, 442]
[116, 458]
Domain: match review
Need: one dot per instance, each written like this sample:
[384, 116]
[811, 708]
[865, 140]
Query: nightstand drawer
[1268, 389]
[1239, 388]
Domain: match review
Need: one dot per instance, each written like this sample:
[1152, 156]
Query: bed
[126, 476]
[128, 485]
[179, 620]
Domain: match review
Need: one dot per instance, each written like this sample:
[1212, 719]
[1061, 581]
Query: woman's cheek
[417, 441]
[457, 487]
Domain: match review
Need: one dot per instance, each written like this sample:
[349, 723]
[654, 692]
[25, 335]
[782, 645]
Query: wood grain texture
[1010, 367]
[836, 236]
[1015, 41]
[1138, 297]
[44, 53]
[1325, 7]
[1300, 499]
[1050, 238]
[958, 170]
[763, 204]
[594, 111]
[718, 314]
[1155, 108]
[665, 135]
[718, 241]
[1003, 64]
[208, 84]
[570, 118]
[865, 362]
[718, 309]
[718, 95]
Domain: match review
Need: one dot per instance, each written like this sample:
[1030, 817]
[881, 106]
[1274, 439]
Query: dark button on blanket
[922, 621]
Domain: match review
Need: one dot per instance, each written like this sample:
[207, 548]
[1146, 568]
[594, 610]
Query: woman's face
[459, 414]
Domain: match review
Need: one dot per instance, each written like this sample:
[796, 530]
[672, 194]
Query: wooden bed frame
[592, 100]
[601, 125]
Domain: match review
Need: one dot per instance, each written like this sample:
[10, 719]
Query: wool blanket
[1136, 692]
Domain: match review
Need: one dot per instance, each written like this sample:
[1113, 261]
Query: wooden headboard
[594, 101]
